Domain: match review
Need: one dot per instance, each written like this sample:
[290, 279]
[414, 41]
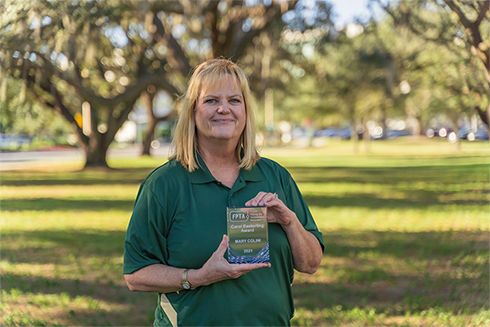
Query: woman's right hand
[217, 268]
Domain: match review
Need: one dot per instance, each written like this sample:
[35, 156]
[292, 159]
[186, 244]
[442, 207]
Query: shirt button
[231, 194]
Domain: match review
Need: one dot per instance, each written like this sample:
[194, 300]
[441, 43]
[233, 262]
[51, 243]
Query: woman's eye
[235, 101]
[210, 101]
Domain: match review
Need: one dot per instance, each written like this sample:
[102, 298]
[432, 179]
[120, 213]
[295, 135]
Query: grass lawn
[406, 229]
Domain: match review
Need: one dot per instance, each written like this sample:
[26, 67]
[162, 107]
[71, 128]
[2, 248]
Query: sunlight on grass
[65, 220]
[430, 218]
[406, 229]
[64, 306]
[102, 192]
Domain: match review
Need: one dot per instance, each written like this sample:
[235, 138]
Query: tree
[45, 124]
[103, 56]
[212, 29]
[463, 28]
[474, 16]
[403, 56]
[73, 55]
[345, 80]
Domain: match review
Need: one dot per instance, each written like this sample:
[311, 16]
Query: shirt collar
[252, 175]
[202, 175]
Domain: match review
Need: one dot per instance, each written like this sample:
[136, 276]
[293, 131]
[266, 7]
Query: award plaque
[248, 235]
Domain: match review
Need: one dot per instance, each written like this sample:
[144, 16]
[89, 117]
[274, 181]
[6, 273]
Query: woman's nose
[223, 108]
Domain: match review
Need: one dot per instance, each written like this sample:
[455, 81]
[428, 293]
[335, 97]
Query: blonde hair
[184, 144]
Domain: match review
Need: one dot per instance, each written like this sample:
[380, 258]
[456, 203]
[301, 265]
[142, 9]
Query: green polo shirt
[179, 220]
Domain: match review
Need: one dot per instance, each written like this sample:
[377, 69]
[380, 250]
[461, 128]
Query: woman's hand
[217, 268]
[277, 211]
[166, 279]
[305, 248]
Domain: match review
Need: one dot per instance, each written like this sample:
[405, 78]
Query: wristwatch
[185, 283]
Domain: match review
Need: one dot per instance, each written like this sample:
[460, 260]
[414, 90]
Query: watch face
[186, 285]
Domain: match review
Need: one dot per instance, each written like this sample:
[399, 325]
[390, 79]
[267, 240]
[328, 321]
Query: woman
[176, 239]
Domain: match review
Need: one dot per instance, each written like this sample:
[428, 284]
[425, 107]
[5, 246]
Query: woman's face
[220, 112]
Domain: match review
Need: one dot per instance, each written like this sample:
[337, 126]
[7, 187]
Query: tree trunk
[149, 136]
[458, 141]
[354, 137]
[484, 116]
[384, 127]
[147, 99]
[420, 126]
[95, 147]
[96, 157]
[454, 123]
[366, 138]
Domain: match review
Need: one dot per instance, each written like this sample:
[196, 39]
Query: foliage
[64, 55]
[437, 73]
[413, 64]
[462, 28]
[406, 230]
[103, 55]
[30, 118]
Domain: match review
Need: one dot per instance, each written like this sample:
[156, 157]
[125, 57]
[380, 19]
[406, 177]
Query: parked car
[438, 131]
[392, 133]
[466, 133]
[14, 141]
[481, 134]
[334, 132]
[298, 132]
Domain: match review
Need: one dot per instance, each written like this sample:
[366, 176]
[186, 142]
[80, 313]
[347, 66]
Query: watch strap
[185, 283]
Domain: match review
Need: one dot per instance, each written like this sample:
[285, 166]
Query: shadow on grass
[404, 245]
[445, 174]
[400, 273]
[396, 272]
[61, 247]
[85, 265]
[125, 308]
[67, 205]
[419, 199]
[103, 291]
[83, 178]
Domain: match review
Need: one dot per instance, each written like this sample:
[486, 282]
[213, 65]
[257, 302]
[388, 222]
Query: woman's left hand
[277, 211]
[305, 248]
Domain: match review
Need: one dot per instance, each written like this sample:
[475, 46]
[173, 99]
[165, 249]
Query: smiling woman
[215, 76]
[176, 241]
[220, 113]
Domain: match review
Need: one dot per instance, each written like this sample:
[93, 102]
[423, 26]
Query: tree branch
[483, 7]
[239, 44]
[455, 8]
[175, 55]
[49, 88]
[131, 92]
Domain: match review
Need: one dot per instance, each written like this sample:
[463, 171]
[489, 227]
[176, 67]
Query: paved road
[43, 158]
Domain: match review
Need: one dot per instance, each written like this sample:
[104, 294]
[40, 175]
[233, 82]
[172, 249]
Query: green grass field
[406, 229]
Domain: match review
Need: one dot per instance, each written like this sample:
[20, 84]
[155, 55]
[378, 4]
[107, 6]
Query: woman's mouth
[223, 121]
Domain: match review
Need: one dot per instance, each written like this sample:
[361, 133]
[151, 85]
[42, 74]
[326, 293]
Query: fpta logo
[238, 217]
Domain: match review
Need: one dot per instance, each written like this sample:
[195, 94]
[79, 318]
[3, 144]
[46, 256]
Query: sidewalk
[43, 158]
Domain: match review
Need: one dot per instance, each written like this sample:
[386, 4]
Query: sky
[348, 10]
